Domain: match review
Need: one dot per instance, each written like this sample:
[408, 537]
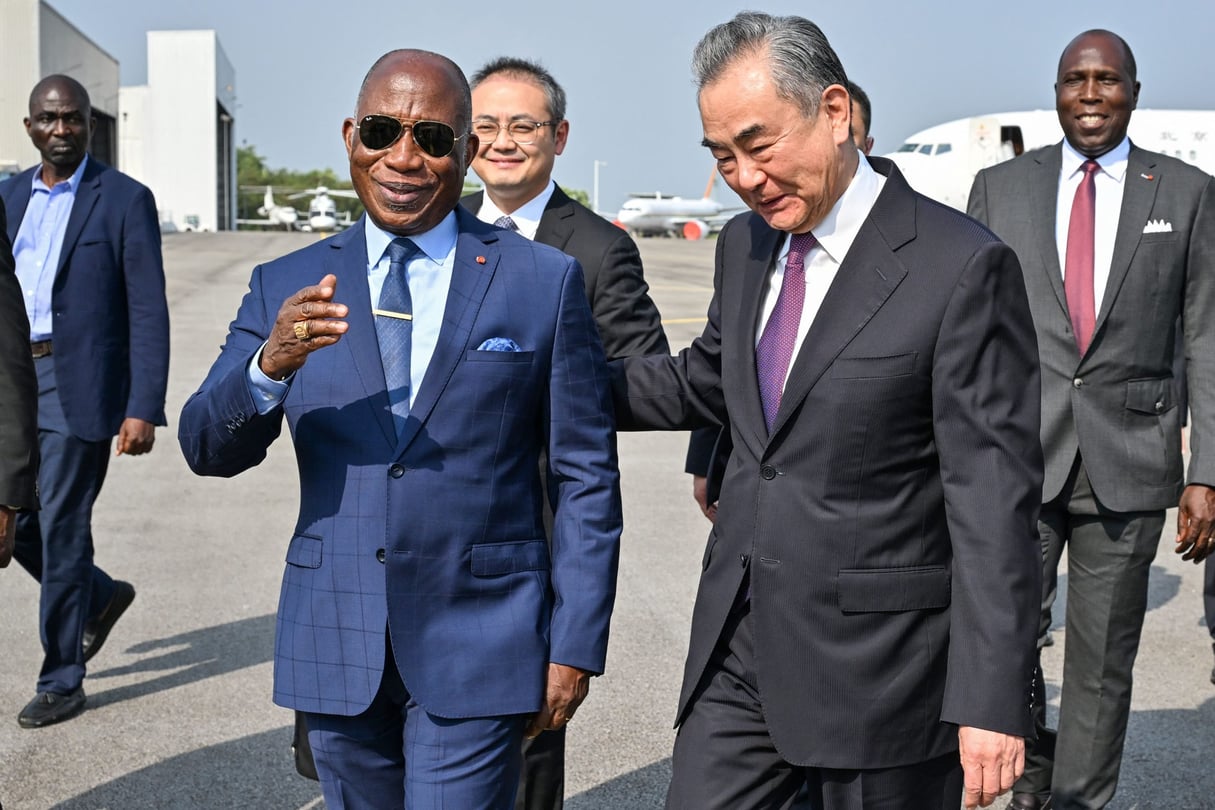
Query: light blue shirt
[429, 278]
[39, 244]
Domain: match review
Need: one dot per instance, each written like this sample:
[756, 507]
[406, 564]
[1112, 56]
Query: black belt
[41, 348]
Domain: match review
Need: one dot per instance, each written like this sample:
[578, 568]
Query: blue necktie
[394, 328]
[506, 222]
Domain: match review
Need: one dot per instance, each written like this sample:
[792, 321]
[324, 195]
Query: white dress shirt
[526, 217]
[835, 235]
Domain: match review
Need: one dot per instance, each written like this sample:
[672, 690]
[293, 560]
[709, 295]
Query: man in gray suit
[1116, 244]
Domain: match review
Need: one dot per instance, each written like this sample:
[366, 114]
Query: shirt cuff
[267, 394]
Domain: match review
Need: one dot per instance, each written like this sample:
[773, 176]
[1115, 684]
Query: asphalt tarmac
[179, 712]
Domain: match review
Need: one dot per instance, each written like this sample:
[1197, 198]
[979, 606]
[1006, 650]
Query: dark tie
[775, 348]
[1078, 267]
[506, 222]
[394, 328]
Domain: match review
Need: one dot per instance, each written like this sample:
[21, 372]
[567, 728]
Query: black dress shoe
[1030, 801]
[48, 708]
[97, 630]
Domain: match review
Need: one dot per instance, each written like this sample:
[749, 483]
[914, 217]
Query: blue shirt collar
[73, 181]
[437, 243]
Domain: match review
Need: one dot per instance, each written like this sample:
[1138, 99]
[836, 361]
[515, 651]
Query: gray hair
[802, 62]
[525, 70]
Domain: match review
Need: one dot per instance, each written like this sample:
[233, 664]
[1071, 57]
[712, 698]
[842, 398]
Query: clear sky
[625, 64]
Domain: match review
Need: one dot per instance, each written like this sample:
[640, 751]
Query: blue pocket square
[498, 344]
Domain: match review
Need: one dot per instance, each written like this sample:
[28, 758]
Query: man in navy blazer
[86, 239]
[425, 624]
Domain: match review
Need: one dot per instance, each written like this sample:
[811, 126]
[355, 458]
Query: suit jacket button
[379, 555]
[396, 471]
[1159, 407]
[768, 472]
[1076, 383]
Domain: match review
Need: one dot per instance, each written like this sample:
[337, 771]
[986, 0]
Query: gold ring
[302, 332]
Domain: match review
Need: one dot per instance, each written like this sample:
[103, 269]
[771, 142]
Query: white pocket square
[1158, 226]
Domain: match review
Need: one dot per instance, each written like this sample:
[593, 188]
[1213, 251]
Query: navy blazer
[436, 535]
[110, 317]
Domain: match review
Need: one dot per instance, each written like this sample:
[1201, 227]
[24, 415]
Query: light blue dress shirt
[39, 244]
[429, 277]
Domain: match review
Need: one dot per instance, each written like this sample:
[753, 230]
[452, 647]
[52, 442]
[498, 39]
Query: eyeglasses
[435, 138]
[522, 132]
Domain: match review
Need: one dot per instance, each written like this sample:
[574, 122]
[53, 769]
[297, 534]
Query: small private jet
[942, 161]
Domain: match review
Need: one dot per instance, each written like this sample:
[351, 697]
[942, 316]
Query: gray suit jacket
[1117, 405]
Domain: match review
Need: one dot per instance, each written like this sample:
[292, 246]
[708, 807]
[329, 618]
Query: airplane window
[943, 148]
[926, 149]
[909, 147]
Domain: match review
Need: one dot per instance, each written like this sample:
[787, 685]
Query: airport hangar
[173, 134]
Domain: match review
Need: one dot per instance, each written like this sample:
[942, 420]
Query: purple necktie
[775, 348]
[1078, 267]
[505, 221]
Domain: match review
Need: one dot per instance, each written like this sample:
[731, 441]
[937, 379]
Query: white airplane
[657, 214]
[942, 161]
[322, 210]
[275, 215]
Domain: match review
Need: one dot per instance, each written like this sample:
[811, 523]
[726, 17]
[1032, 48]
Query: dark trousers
[56, 544]
[542, 783]
[1208, 594]
[724, 758]
[398, 755]
[1109, 558]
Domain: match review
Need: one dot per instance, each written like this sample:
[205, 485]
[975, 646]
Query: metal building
[176, 131]
[37, 42]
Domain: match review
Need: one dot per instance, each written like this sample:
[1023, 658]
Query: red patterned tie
[775, 348]
[1078, 270]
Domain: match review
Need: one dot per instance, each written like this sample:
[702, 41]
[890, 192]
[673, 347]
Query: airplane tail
[712, 182]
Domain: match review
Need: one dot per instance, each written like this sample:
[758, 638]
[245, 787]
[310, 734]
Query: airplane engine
[695, 229]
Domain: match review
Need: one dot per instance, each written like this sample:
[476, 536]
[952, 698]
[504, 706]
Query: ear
[560, 133]
[348, 130]
[1135, 97]
[836, 106]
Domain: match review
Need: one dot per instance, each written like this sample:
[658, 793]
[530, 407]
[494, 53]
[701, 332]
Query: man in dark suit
[86, 239]
[1116, 245]
[708, 448]
[869, 594]
[18, 404]
[423, 609]
[519, 119]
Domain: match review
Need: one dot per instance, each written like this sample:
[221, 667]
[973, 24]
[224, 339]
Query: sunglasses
[435, 138]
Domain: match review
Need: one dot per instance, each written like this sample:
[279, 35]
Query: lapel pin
[480, 260]
[1148, 176]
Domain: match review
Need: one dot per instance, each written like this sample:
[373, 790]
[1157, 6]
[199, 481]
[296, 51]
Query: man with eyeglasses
[423, 360]
[519, 119]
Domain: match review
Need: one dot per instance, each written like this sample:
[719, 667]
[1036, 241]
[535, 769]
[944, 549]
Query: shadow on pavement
[189, 657]
[641, 789]
[254, 771]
